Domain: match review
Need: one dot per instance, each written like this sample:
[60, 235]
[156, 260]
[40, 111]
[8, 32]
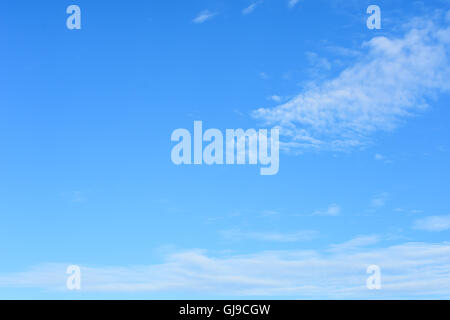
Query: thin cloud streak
[300, 236]
[433, 223]
[251, 8]
[292, 3]
[204, 16]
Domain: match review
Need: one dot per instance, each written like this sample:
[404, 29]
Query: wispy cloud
[204, 16]
[75, 196]
[269, 213]
[251, 8]
[236, 234]
[342, 51]
[356, 243]
[275, 98]
[263, 75]
[317, 62]
[332, 210]
[292, 3]
[409, 270]
[379, 200]
[433, 223]
[78, 196]
[382, 158]
[392, 81]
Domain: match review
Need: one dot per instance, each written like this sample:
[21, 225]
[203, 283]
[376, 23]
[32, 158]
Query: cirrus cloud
[394, 80]
[204, 16]
[409, 270]
[433, 223]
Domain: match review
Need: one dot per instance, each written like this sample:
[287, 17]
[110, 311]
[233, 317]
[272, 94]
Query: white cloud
[342, 51]
[77, 196]
[390, 83]
[275, 98]
[333, 210]
[433, 223]
[292, 3]
[409, 270]
[317, 62]
[356, 243]
[269, 213]
[204, 16]
[251, 8]
[236, 234]
[263, 75]
[382, 158]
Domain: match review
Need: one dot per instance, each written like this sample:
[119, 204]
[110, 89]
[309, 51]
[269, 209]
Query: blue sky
[86, 176]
